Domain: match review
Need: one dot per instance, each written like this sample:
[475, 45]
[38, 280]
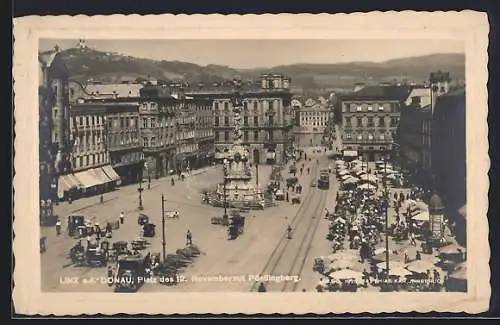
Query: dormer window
[359, 108]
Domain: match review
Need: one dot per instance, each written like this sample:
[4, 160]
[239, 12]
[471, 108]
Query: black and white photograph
[264, 165]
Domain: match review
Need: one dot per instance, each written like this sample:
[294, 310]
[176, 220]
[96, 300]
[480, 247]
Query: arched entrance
[256, 156]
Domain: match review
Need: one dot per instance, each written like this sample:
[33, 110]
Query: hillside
[113, 67]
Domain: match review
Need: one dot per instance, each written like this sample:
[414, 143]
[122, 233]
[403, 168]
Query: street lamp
[386, 209]
[140, 189]
[164, 242]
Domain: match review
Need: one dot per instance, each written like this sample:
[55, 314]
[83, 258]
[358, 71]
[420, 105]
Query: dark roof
[379, 93]
[452, 99]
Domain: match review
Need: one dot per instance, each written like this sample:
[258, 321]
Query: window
[382, 137]
[381, 107]
[370, 122]
[226, 136]
[256, 135]
[226, 120]
[245, 120]
[144, 142]
[245, 105]
[347, 136]
[216, 106]
[271, 105]
[86, 160]
[80, 162]
[217, 137]
[359, 108]
[216, 121]
[255, 105]
[370, 136]
[153, 141]
[255, 120]
[360, 137]
[359, 121]
[369, 108]
[245, 135]
[347, 122]
[226, 105]
[394, 122]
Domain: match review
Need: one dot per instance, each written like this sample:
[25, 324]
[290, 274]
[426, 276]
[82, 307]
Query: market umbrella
[347, 275]
[360, 173]
[420, 266]
[381, 256]
[343, 172]
[422, 216]
[346, 176]
[367, 186]
[369, 178]
[340, 265]
[356, 161]
[339, 219]
[351, 180]
[452, 249]
[390, 176]
[339, 162]
[392, 265]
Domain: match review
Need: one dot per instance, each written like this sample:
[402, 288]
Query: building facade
[370, 119]
[54, 145]
[186, 145]
[124, 140]
[449, 157]
[313, 121]
[157, 124]
[204, 133]
[267, 120]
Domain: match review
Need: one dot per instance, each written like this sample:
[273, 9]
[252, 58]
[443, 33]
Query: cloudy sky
[244, 54]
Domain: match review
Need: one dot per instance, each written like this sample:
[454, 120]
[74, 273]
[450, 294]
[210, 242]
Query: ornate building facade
[370, 119]
[267, 123]
[312, 121]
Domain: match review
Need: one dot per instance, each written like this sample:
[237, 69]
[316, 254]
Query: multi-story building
[90, 157]
[267, 121]
[204, 133]
[157, 122]
[186, 146]
[312, 121]
[370, 118]
[54, 147]
[449, 157]
[121, 105]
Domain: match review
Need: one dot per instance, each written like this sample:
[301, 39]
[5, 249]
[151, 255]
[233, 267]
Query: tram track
[281, 248]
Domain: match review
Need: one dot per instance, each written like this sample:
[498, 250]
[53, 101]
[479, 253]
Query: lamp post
[386, 209]
[164, 242]
[140, 189]
[225, 194]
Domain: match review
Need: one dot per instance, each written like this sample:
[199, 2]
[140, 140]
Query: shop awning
[101, 175]
[110, 172]
[87, 179]
[350, 153]
[66, 183]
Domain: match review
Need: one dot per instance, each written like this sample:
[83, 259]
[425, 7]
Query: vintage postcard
[251, 164]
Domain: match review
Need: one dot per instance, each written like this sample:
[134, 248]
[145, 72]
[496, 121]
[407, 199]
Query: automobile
[142, 219]
[313, 184]
[149, 229]
[131, 272]
[280, 196]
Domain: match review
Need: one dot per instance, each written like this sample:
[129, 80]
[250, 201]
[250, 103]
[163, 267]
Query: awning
[350, 153]
[101, 175]
[110, 172]
[87, 179]
[66, 183]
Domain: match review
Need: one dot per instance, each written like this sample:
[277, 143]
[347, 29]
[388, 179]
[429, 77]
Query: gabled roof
[398, 93]
[423, 93]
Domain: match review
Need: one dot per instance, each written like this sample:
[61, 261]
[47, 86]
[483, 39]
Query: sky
[249, 54]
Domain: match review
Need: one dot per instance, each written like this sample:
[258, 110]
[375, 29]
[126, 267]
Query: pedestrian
[262, 287]
[101, 198]
[287, 197]
[110, 276]
[412, 239]
[58, 227]
[406, 256]
[189, 238]
[436, 276]
[122, 217]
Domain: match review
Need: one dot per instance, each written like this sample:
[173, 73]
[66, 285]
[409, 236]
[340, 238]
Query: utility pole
[386, 208]
[140, 189]
[225, 194]
[164, 243]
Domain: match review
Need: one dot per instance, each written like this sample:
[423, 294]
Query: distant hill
[113, 67]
